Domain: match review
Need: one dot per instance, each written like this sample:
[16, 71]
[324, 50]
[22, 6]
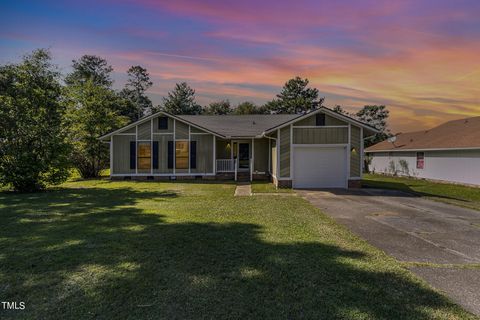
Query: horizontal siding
[260, 155]
[196, 130]
[181, 130]
[144, 131]
[169, 128]
[320, 135]
[460, 166]
[329, 121]
[131, 130]
[285, 152]
[355, 156]
[121, 154]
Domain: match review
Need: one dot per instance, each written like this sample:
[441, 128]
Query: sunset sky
[420, 58]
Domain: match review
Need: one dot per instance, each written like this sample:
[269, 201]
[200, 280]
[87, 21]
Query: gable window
[181, 155]
[320, 119]
[162, 123]
[420, 160]
[144, 155]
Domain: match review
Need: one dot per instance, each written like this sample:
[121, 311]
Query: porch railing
[225, 165]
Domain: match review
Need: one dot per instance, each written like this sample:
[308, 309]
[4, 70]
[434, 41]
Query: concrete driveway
[413, 229]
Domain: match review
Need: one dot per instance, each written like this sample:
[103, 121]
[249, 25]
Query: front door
[243, 156]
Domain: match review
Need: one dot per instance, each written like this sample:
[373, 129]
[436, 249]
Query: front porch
[236, 157]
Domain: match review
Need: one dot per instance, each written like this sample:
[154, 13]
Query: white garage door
[318, 167]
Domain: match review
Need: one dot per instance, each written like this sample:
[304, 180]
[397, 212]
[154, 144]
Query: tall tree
[181, 100]
[220, 108]
[33, 147]
[376, 116]
[90, 68]
[92, 112]
[248, 107]
[296, 97]
[138, 82]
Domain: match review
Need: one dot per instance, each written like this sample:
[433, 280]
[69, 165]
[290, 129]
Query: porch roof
[251, 125]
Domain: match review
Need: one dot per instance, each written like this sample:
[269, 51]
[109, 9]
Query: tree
[93, 68]
[33, 147]
[181, 100]
[338, 109]
[296, 97]
[138, 82]
[92, 112]
[220, 108]
[248, 107]
[376, 116]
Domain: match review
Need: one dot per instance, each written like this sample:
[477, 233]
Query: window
[181, 155]
[144, 155]
[163, 123]
[420, 160]
[320, 119]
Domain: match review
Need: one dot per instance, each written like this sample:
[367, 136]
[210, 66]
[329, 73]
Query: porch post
[253, 159]
[214, 164]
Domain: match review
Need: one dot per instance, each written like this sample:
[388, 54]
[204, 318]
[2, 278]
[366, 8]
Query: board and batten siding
[204, 153]
[320, 135]
[285, 152]
[163, 152]
[223, 152]
[355, 155]
[260, 162]
[273, 155]
[121, 154]
[147, 133]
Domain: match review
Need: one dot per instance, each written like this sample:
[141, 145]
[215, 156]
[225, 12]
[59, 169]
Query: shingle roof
[456, 134]
[239, 125]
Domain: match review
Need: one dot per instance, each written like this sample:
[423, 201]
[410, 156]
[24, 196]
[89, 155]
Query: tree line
[51, 123]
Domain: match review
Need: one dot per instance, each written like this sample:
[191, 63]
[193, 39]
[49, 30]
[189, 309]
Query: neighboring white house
[449, 152]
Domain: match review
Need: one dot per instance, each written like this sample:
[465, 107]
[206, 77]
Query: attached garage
[320, 167]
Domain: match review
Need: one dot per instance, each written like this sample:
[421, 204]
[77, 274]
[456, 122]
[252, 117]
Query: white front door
[320, 167]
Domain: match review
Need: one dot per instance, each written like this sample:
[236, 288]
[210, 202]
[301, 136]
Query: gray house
[320, 149]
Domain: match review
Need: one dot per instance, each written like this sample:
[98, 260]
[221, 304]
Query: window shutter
[320, 119]
[133, 154]
[163, 123]
[155, 155]
[170, 155]
[193, 154]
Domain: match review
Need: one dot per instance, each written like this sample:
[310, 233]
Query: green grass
[268, 187]
[148, 250]
[464, 196]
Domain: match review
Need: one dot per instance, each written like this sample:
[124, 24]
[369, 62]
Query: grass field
[464, 196]
[148, 250]
[268, 187]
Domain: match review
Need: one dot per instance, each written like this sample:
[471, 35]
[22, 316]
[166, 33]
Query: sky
[420, 58]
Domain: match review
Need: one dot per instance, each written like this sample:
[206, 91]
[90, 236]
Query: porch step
[243, 176]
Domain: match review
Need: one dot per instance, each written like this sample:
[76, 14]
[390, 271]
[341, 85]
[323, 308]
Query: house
[449, 152]
[313, 150]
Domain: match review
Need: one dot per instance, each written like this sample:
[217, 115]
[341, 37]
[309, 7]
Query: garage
[319, 167]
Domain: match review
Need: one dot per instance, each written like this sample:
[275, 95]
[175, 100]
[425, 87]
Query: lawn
[464, 196]
[268, 187]
[149, 250]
